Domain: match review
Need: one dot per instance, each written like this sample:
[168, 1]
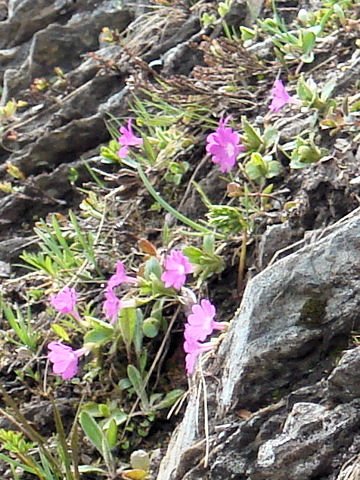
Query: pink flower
[177, 266]
[193, 348]
[65, 359]
[65, 300]
[224, 145]
[119, 277]
[280, 96]
[128, 139]
[112, 305]
[201, 321]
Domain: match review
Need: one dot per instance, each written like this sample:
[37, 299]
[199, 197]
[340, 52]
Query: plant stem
[172, 210]
[242, 261]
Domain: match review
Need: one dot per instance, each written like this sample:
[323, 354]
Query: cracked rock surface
[286, 333]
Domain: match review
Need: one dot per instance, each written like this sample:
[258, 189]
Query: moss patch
[313, 312]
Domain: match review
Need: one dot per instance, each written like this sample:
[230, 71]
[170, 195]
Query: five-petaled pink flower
[176, 268]
[128, 139]
[201, 321]
[280, 96]
[224, 146]
[65, 301]
[119, 276]
[112, 305]
[65, 359]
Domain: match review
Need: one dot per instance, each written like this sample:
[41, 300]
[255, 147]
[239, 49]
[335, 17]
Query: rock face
[62, 123]
[293, 317]
[66, 119]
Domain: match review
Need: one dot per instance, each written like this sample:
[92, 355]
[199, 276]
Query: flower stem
[172, 210]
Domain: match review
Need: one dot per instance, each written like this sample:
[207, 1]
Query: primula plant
[124, 299]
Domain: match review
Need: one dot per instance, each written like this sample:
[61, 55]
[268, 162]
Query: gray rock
[284, 318]
[275, 238]
[312, 434]
[62, 45]
[292, 317]
[28, 16]
[4, 269]
[344, 382]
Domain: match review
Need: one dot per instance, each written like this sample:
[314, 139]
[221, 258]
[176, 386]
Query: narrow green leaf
[327, 90]
[60, 331]
[127, 320]
[62, 444]
[108, 458]
[169, 399]
[150, 152]
[111, 433]
[252, 138]
[137, 382]
[209, 244]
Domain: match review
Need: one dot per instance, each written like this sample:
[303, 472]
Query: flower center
[230, 150]
[181, 269]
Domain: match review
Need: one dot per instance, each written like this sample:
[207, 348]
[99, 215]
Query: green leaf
[150, 152]
[60, 331]
[304, 91]
[247, 33]
[109, 459]
[327, 90]
[308, 41]
[92, 430]
[194, 254]
[127, 320]
[99, 335]
[151, 327]
[138, 333]
[111, 433]
[268, 189]
[270, 136]
[169, 399]
[255, 168]
[209, 244]
[252, 137]
[274, 168]
[307, 57]
[17, 464]
[137, 382]
[152, 266]
[93, 469]
[124, 384]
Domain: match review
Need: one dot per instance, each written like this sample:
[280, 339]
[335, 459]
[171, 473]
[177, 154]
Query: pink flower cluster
[63, 357]
[128, 139]
[112, 304]
[176, 268]
[200, 324]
